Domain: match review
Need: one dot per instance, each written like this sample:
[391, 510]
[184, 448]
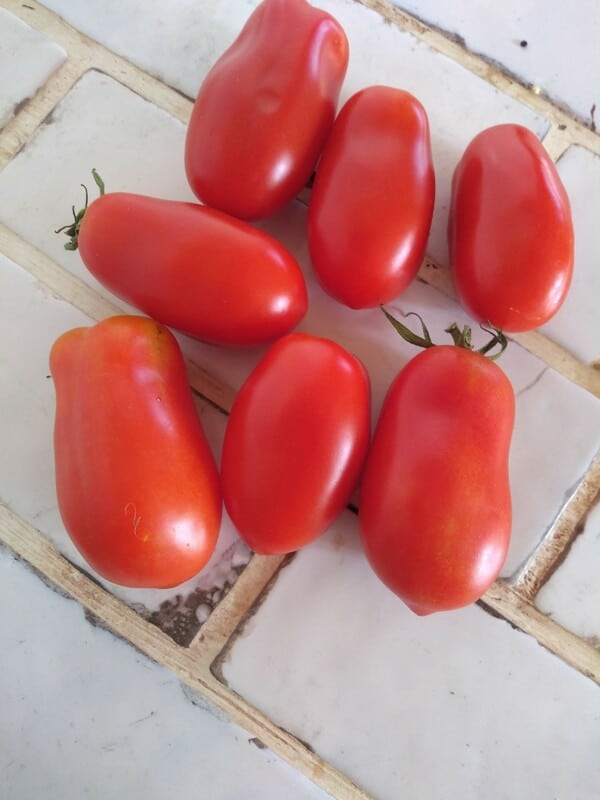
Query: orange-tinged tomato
[136, 481]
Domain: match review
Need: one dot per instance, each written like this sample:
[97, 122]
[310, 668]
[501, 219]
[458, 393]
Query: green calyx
[72, 229]
[460, 337]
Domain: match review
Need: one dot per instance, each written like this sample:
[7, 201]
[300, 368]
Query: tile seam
[555, 546]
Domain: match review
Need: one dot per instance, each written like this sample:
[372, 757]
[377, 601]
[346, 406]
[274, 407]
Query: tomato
[264, 110]
[193, 268]
[295, 443]
[435, 501]
[372, 200]
[136, 481]
[510, 231]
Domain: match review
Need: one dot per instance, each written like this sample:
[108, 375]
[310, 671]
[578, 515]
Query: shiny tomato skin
[264, 110]
[510, 232]
[136, 481]
[295, 443]
[372, 199]
[193, 268]
[435, 502]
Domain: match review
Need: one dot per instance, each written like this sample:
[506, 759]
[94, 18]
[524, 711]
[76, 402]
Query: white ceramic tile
[561, 57]
[85, 715]
[459, 104]
[27, 59]
[451, 705]
[31, 316]
[577, 325]
[572, 595]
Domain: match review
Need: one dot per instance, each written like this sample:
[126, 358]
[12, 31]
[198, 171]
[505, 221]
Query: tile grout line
[519, 611]
[22, 126]
[234, 608]
[29, 544]
[554, 548]
[444, 43]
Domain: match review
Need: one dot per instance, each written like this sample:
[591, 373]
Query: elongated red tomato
[264, 110]
[193, 268]
[510, 232]
[435, 503]
[136, 481]
[372, 200]
[295, 443]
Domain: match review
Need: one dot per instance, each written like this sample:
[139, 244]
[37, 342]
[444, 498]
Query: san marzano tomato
[295, 443]
[435, 502]
[372, 200]
[264, 110]
[136, 481]
[510, 231]
[194, 268]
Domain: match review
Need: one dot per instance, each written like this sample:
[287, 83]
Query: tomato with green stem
[193, 268]
[435, 502]
[136, 481]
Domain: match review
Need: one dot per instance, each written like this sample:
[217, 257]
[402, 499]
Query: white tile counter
[310, 679]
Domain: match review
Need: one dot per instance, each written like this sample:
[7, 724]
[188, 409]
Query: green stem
[72, 229]
[460, 337]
